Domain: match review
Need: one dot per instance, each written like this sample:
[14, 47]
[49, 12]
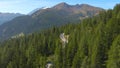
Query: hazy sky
[25, 6]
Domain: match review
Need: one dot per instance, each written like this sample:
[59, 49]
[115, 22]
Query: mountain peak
[61, 5]
[83, 5]
[64, 5]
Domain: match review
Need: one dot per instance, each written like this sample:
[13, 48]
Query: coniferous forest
[92, 43]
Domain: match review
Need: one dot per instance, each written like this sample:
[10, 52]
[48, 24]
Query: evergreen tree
[114, 54]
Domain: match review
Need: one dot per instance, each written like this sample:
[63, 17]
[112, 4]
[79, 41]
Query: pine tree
[114, 54]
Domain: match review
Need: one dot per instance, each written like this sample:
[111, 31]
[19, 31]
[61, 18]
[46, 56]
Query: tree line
[93, 43]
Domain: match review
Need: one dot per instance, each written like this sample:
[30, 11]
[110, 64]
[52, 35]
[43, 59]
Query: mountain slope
[33, 11]
[42, 19]
[5, 17]
[93, 43]
[37, 9]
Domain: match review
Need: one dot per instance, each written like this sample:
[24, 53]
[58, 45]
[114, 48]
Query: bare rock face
[49, 65]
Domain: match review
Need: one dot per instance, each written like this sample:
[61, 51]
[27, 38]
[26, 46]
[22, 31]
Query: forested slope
[93, 43]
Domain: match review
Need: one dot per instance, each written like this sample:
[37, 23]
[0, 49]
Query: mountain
[33, 11]
[57, 15]
[71, 10]
[93, 43]
[37, 9]
[5, 17]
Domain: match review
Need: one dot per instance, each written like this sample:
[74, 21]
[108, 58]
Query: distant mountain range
[5, 17]
[57, 15]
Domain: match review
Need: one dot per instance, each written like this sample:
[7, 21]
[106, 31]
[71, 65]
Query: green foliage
[93, 43]
[114, 54]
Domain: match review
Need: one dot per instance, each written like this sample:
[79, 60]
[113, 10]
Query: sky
[26, 6]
